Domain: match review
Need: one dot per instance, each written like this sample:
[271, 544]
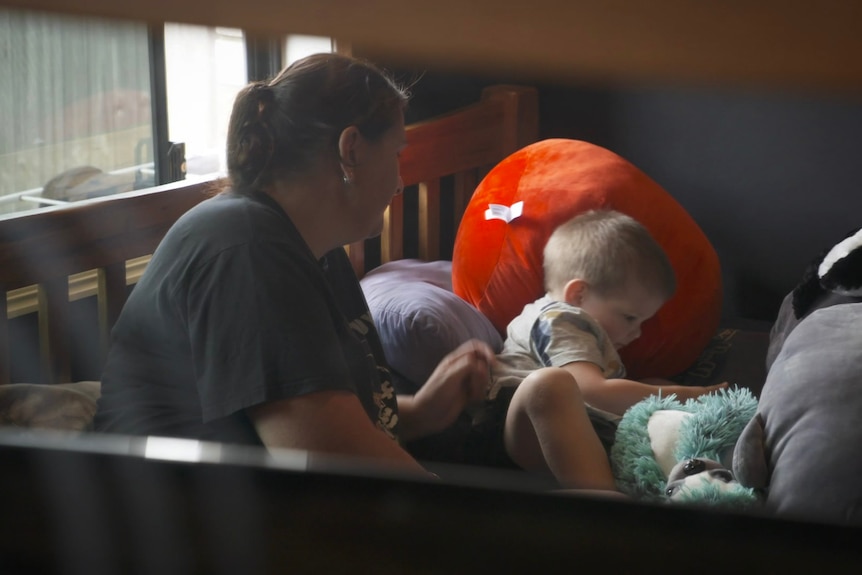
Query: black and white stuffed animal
[837, 271]
[833, 277]
[803, 447]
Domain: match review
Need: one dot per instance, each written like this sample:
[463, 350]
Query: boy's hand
[684, 392]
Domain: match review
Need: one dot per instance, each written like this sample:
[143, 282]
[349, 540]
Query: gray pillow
[419, 319]
[804, 444]
[787, 320]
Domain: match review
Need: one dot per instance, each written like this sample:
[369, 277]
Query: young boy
[604, 275]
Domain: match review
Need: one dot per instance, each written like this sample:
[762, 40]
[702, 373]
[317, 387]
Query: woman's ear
[348, 143]
[574, 291]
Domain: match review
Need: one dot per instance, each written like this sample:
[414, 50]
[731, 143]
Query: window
[297, 46]
[80, 108]
[205, 68]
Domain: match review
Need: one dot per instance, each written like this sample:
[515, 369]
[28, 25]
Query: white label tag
[505, 213]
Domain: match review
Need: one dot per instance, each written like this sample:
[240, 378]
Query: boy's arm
[617, 395]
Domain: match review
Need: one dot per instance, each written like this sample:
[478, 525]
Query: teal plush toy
[665, 450]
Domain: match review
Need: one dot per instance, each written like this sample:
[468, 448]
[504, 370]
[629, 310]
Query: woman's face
[377, 176]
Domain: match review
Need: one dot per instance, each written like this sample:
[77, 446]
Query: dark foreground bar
[102, 504]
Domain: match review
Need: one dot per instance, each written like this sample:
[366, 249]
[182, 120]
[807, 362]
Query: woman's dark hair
[287, 125]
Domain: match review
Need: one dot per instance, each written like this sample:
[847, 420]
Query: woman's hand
[460, 379]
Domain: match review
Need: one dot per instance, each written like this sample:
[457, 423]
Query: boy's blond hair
[607, 249]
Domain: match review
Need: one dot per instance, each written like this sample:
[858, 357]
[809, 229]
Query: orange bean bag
[497, 266]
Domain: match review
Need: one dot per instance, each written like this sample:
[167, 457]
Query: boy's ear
[574, 291]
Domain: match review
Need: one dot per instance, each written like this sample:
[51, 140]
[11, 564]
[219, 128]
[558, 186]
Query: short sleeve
[565, 334]
[262, 327]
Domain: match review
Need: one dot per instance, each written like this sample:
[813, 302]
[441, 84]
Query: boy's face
[622, 312]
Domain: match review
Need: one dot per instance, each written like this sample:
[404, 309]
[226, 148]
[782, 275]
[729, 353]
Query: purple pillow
[419, 319]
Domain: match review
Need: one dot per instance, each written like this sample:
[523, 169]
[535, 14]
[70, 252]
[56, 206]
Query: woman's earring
[346, 180]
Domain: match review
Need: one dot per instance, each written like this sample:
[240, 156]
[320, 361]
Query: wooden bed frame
[100, 247]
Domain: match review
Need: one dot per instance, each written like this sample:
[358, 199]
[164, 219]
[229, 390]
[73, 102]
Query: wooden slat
[775, 43]
[55, 362]
[111, 297]
[520, 125]
[465, 185]
[429, 220]
[392, 238]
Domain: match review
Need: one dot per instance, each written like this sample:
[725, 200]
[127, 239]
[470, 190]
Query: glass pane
[298, 46]
[205, 68]
[75, 105]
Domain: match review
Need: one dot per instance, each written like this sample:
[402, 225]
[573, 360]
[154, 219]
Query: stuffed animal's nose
[693, 467]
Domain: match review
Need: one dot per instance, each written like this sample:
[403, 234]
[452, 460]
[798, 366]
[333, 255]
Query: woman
[249, 325]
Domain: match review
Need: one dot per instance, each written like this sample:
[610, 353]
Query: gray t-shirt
[547, 333]
[233, 311]
[551, 333]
